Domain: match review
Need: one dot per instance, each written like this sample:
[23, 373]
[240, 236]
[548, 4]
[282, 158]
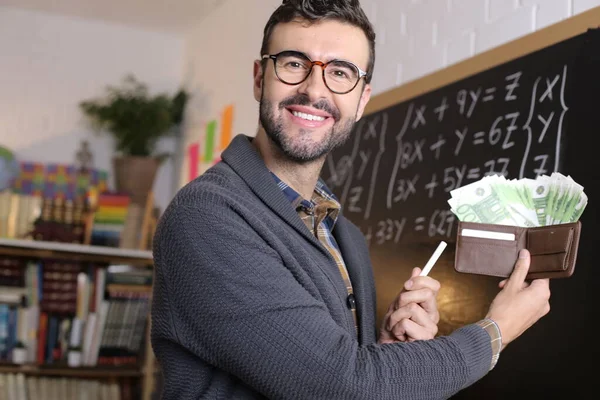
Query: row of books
[24, 216]
[22, 387]
[74, 313]
[18, 213]
[102, 221]
[110, 219]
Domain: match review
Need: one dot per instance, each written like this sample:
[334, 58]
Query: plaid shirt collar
[321, 194]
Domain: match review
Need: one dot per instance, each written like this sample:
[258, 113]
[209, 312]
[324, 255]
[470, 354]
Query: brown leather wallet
[488, 249]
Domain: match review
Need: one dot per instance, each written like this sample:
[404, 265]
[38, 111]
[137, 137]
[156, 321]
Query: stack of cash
[546, 200]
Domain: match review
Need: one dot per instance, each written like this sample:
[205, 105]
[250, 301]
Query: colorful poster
[206, 152]
[59, 180]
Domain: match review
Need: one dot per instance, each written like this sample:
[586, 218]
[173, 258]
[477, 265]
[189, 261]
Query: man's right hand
[519, 304]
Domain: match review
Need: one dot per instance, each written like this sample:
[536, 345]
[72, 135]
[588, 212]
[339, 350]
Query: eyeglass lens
[293, 67]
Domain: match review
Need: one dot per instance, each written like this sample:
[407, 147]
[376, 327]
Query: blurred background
[106, 109]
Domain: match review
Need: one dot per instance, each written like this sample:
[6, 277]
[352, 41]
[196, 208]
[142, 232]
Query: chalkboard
[528, 115]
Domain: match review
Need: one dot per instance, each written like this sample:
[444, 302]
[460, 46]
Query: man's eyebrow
[326, 60]
[331, 58]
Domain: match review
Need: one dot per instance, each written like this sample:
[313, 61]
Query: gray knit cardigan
[247, 304]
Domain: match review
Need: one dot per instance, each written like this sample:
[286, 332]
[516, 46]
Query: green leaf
[136, 119]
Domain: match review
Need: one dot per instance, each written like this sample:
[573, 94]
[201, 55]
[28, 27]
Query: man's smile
[309, 117]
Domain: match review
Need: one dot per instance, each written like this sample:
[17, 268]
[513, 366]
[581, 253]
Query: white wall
[49, 63]
[414, 38]
[417, 37]
[219, 57]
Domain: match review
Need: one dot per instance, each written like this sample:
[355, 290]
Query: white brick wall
[414, 38]
[497, 9]
[504, 28]
[439, 33]
[549, 12]
[580, 6]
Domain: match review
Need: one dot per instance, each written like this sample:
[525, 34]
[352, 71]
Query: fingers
[502, 283]
[412, 321]
[542, 283]
[416, 302]
[386, 336]
[517, 277]
[425, 297]
[414, 311]
[542, 286]
[421, 290]
[415, 282]
[417, 332]
[418, 282]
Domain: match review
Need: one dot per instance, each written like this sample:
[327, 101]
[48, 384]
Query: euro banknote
[545, 200]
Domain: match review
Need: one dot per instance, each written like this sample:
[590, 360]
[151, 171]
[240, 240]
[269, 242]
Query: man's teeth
[308, 116]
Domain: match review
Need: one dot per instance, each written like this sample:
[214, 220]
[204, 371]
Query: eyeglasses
[294, 67]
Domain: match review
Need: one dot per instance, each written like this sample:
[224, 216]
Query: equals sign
[489, 94]
[478, 138]
[474, 173]
[419, 224]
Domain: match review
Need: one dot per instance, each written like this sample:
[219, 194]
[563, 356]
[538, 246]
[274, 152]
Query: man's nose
[314, 86]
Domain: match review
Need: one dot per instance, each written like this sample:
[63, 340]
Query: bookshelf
[144, 371]
[81, 372]
[72, 251]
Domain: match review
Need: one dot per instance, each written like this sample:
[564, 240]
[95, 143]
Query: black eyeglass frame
[323, 65]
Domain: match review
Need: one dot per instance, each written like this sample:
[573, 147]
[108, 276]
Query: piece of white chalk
[434, 257]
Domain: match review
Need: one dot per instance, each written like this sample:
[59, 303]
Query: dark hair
[348, 11]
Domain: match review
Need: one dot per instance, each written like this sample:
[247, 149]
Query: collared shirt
[320, 214]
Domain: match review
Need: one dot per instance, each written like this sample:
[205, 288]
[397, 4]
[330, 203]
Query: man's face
[307, 121]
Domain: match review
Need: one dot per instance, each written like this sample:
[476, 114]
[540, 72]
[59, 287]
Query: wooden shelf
[71, 251]
[34, 249]
[64, 371]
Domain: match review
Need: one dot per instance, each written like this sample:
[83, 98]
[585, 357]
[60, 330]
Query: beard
[303, 149]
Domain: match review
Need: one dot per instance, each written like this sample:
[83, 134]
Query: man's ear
[364, 99]
[258, 79]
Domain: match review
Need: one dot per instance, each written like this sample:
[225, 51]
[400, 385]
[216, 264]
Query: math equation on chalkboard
[395, 173]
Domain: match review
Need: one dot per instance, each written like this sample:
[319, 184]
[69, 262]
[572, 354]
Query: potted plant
[136, 120]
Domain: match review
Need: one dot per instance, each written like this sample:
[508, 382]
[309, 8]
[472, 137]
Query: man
[264, 290]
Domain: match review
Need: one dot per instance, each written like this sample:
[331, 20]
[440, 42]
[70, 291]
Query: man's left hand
[413, 315]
